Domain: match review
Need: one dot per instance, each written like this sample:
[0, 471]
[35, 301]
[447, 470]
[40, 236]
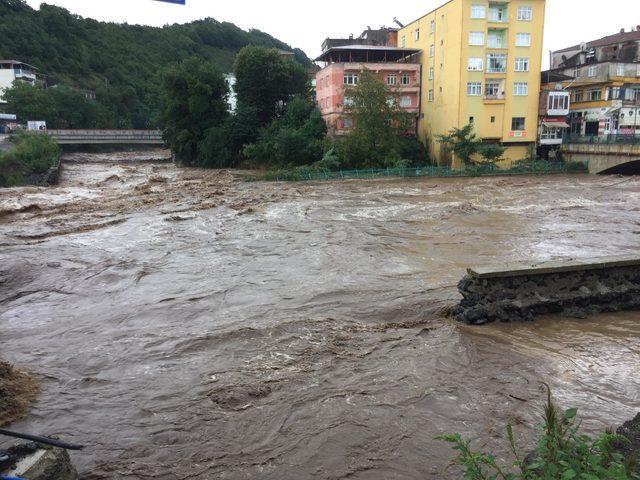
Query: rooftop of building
[365, 54]
[16, 62]
[621, 37]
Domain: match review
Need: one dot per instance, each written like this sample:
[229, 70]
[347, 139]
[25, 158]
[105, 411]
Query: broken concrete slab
[37, 462]
[576, 288]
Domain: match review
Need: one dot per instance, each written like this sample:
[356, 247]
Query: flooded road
[187, 324]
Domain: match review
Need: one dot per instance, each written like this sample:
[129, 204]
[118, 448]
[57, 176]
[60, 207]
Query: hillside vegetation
[120, 62]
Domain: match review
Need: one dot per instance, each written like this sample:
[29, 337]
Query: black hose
[43, 440]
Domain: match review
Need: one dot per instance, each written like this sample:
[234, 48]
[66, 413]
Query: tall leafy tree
[266, 81]
[379, 124]
[195, 103]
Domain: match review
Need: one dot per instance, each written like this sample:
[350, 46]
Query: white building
[12, 70]
[233, 98]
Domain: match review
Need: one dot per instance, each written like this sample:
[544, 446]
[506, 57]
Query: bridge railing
[611, 139]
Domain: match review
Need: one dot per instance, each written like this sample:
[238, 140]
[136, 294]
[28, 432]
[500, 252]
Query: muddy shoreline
[188, 324]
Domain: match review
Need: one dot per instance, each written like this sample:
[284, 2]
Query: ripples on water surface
[195, 326]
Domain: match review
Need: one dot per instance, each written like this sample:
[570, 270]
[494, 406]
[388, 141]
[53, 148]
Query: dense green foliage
[119, 62]
[561, 454]
[468, 148]
[265, 82]
[32, 156]
[195, 108]
[60, 107]
[267, 122]
[293, 139]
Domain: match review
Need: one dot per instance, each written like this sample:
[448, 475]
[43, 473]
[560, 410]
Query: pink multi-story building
[394, 66]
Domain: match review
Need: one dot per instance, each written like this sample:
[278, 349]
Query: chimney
[638, 28]
[622, 30]
[351, 36]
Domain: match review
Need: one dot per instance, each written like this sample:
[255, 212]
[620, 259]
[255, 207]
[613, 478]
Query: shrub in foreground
[33, 154]
[561, 454]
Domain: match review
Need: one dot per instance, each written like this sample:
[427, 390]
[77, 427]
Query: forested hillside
[119, 62]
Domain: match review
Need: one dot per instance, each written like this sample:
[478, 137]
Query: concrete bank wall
[516, 292]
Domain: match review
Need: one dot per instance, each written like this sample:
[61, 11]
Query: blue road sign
[179, 2]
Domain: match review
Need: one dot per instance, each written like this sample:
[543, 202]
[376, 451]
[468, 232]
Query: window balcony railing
[496, 69]
[492, 96]
[498, 16]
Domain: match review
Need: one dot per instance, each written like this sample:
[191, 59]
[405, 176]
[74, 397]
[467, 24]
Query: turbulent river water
[190, 325]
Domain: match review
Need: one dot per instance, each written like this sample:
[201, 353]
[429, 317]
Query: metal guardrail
[517, 168]
[105, 136]
[612, 139]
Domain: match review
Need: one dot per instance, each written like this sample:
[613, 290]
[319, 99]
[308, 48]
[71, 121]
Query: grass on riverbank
[18, 390]
[29, 160]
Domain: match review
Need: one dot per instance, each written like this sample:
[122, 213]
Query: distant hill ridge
[114, 59]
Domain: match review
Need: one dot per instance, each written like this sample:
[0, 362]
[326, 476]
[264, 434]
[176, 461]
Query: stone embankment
[516, 292]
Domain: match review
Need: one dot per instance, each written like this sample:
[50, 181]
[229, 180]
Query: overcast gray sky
[305, 24]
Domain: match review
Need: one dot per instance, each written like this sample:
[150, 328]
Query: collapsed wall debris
[576, 288]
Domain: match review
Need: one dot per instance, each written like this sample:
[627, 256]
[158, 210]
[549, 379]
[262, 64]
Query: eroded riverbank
[189, 325]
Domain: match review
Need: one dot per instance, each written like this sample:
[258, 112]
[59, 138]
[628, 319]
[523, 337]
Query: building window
[405, 79]
[517, 124]
[615, 93]
[476, 38]
[432, 50]
[432, 27]
[522, 64]
[638, 71]
[430, 97]
[594, 95]
[578, 96]
[523, 39]
[525, 14]
[493, 119]
[417, 34]
[496, 63]
[471, 119]
[478, 11]
[350, 79]
[348, 122]
[474, 89]
[558, 102]
[430, 73]
[520, 89]
[403, 41]
[497, 39]
[576, 72]
[498, 13]
[620, 70]
[593, 71]
[492, 90]
[405, 102]
[392, 79]
[475, 65]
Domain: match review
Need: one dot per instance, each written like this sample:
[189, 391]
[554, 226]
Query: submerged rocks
[572, 289]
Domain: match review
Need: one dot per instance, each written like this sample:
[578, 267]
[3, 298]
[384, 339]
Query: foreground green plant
[561, 454]
[32, 156]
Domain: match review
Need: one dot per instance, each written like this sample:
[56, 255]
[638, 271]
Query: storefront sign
[518, 134]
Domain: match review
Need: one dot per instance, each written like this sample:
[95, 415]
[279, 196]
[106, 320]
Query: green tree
[491, 152]
[462, 142]
[379, 125]
[195, 103]
[29, 102]
[294, 139]
[266, 81]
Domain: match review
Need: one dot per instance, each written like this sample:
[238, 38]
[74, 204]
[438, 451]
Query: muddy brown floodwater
[187, 324]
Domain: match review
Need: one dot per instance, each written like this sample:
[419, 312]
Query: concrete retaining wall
[516, 292]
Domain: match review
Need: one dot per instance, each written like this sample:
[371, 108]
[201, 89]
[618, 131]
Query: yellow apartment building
[481, 62]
